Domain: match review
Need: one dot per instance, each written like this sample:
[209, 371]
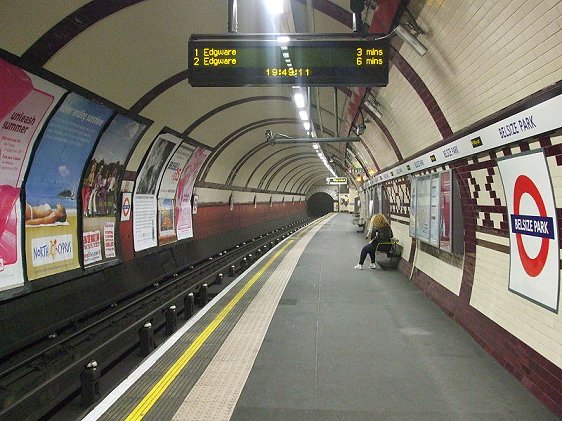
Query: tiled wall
[524, 337]
[485, 55]
[482, 57]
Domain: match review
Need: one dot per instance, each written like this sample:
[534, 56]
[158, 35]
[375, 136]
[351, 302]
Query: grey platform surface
[366, 345]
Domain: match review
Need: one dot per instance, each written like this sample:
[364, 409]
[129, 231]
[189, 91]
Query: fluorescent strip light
[275, 7]
[299, 99]
[373, 109]
[286, 55]
[303, 115]
[406, 36]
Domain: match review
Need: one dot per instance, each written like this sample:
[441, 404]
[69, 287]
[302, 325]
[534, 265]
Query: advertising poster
[166, 224]
[413, 184]
[435, 212]
[25, 103]
[144, 197]
[534, 268]
[91, 242]
[167, 193]
[196, 203]
[183, 210]
[446, 212]
[423, 211]
[109, 239]
[51, 189]
[100, 187]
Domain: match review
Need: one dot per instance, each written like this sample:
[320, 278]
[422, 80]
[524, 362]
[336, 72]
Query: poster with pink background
[183, 214]
[25, 103]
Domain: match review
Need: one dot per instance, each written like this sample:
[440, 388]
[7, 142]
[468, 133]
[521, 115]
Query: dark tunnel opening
[319, 204]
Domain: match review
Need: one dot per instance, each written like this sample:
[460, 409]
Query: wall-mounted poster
[167, 193]
[100, 187]
[445, 235]
[413, 184]
[423, 208]
[534, 268]
[25, 104]
[52, 187]
[144, 197]
[196, 203]
[378, 204]
[184, 221]
[435, 212]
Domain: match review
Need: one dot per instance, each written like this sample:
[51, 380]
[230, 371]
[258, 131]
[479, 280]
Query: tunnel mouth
[319, 204]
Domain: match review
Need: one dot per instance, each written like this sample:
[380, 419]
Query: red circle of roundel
[126, 206]
[524, 184]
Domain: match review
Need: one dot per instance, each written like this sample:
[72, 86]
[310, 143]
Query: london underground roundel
[533, 229]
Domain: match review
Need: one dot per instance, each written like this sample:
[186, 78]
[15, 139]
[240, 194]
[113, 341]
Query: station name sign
[239, 60]
[336, 180]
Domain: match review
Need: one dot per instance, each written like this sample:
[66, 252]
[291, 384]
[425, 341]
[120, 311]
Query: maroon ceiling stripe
[383, 18]
[332, 10]
[243, 160]
[287, 159]
[283, 166]
[69, 27]
[250, 154]
[370, 154]
[227, 105]
[308, 183]
[223, 144]
[296, 168]
[385, 13]
[157, 91]
[386, 132]
[420, 87]
[297, 173]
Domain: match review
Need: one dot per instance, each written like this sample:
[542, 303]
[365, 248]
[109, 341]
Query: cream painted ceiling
[482, 56]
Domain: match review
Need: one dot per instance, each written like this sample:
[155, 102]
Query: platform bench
[393, 251]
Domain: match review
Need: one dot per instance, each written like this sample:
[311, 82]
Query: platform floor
[310, 338]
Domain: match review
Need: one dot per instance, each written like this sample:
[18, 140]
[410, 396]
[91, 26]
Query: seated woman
[44, 214]
[380, 233]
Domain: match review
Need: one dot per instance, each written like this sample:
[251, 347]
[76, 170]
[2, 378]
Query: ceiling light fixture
[407, 37]
[275, 7]
[372, 108]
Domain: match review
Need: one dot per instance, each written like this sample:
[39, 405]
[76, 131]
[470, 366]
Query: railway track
[37, 380]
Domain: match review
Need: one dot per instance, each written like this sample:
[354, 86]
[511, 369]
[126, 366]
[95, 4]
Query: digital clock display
[246, 61]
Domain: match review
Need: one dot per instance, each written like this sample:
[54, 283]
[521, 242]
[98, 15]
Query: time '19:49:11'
[287, 72]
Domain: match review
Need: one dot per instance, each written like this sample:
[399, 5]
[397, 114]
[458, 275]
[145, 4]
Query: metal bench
[392, 250]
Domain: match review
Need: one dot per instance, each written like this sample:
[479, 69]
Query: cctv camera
[360, 129]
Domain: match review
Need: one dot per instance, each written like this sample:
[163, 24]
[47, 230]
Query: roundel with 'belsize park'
[533, 229]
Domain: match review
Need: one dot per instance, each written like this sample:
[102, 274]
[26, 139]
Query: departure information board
[263, 62]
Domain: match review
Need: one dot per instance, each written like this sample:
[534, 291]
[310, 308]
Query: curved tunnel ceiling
[132, 54]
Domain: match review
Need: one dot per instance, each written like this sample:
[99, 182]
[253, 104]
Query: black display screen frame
[237, 61]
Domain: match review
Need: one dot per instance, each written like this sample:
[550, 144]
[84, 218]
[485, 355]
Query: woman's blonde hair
[379, 220]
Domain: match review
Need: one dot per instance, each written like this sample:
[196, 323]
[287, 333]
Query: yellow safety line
[160, 387]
